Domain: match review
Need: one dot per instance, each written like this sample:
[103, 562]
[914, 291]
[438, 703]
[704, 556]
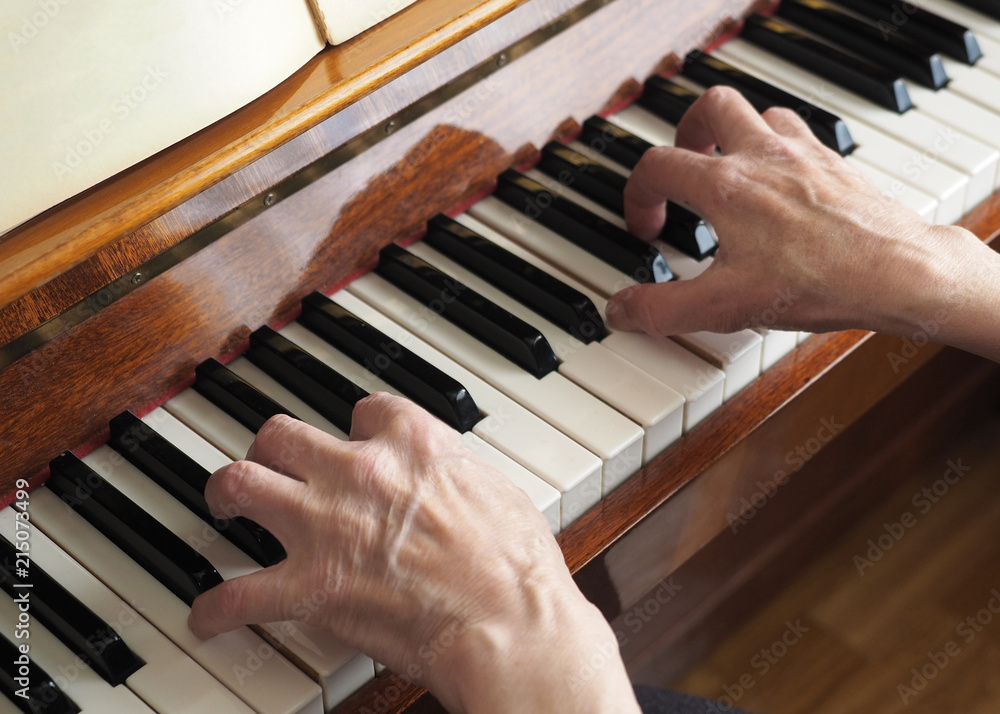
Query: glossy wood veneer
[343, 92]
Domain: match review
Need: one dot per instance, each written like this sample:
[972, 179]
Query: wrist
[944, 290]
[557, 655]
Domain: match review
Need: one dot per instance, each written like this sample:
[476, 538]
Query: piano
[677, 514]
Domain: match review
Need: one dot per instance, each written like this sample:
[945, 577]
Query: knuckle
[776, 147]
[276, 428]
[234, 481]
[720, 94]
[374, 405]
[782, 114]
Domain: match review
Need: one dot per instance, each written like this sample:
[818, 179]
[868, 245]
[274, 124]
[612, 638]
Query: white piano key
[701, 383]
[944, 184]
[579, 415]
[267, 385]
[538, 446]
[990, 61]
[645, 125]
[78, 681]
[544, 496]
[600, 158]
[170, 681]
[245, 663]
[942, 140]
[803, 336]
[552, 247]
[984, 26]
[8, 707]
[738, 354]
[971, 82]
[183, 437]
[338, 668]
[777, 344]
[892, 187]
[965, 115]
[948, 186]
[636, 394]
[334, 358]
[224, 432]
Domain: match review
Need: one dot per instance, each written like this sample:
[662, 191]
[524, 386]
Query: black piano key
[987, 7]
[548, 296]
[632, 256]
[920, 25]
[152, 545]
[581, 173]
[491, 324]
[18, 672]
[318, 385]
[185, 479]
[683, 229]
[434, 390]
[853, 73]
[235, 396]
[864, 37]
[688, 233]
[75, 624]
[668, 100]
[607, 139]
[710, 71]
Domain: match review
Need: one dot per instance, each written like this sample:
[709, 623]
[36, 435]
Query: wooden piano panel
[340, 94]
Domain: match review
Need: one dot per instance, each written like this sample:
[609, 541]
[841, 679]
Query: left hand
[410, 543]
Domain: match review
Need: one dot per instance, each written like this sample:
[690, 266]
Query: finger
[664, 173]
[787, 122]
[246, 488]
[721, 118]
[677, 308]
[379, 412]
[249, 599]
[293, 448]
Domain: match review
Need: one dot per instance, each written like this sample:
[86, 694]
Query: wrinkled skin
[799, 229]
[428, 560]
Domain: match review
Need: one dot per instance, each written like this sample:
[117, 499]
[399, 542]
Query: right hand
[806, 241]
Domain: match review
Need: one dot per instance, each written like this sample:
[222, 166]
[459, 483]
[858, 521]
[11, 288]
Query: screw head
[136, 279]
[501, 59]
[270, 199]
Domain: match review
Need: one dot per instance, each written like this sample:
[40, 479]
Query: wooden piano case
[111, 299]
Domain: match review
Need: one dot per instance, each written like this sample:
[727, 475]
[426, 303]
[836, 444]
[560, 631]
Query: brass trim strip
[117, 289]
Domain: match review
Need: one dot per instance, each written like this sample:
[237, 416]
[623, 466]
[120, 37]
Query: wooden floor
[914, 632]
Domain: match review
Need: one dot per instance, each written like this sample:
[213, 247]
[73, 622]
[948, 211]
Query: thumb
[676, 308]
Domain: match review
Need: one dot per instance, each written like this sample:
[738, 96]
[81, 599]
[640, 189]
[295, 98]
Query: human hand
[426, 559]
[804, 236]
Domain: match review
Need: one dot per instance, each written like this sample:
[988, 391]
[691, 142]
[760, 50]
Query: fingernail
[615, 314]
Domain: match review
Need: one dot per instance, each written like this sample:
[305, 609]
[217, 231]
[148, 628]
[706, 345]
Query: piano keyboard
[511, 352]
